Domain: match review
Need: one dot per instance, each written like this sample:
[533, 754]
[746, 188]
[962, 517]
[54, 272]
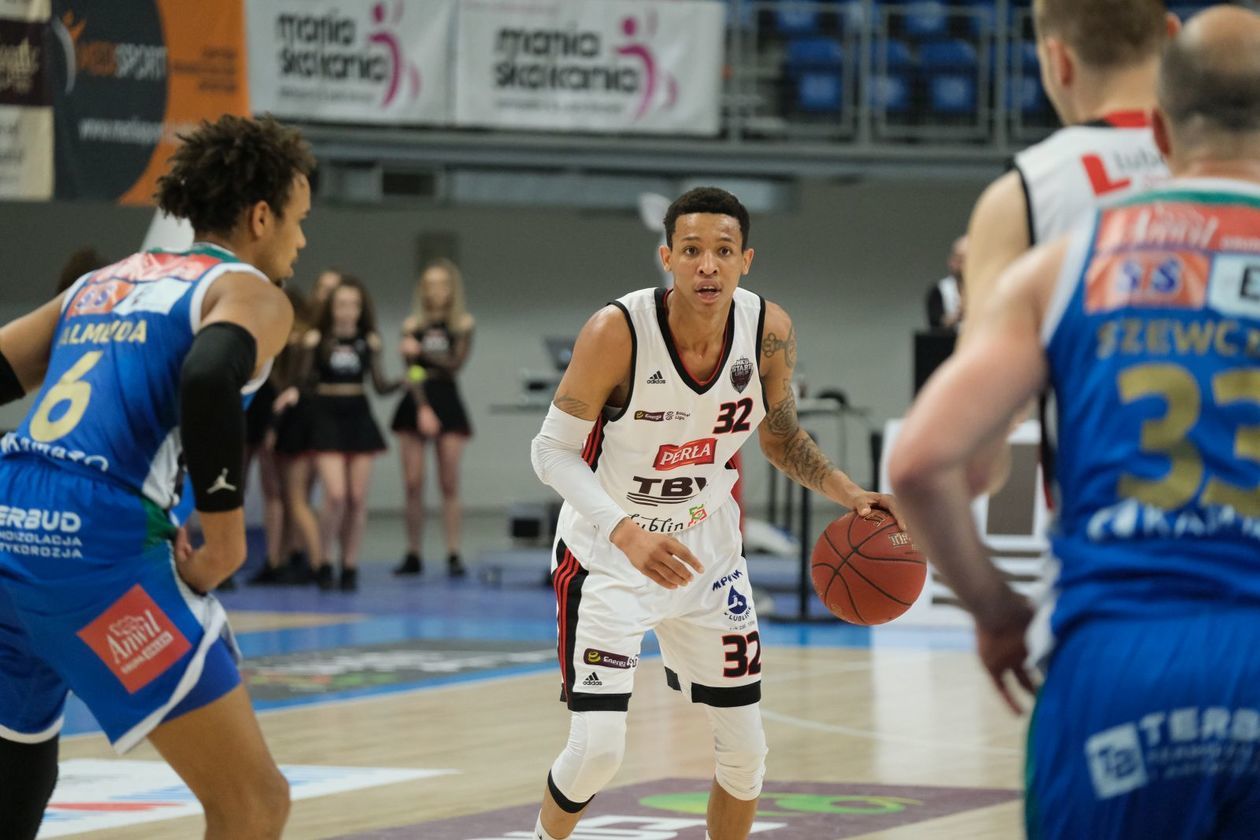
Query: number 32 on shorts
[738, 661]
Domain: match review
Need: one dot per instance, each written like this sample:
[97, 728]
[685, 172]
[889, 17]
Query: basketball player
[663, 388]
[143, 365]
[1145, 321]
[1098, 63]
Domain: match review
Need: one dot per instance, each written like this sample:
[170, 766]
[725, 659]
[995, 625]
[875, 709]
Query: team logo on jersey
[99, 297]
[609, 660]
[698, 514]
[741, 373]
[656, 379]
[737, 607]
[671, 456]
[667, 491]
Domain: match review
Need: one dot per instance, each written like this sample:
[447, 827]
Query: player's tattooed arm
[772, 344]
[792, 450]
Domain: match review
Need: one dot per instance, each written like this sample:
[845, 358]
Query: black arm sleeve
[212, 415]
[10, 386]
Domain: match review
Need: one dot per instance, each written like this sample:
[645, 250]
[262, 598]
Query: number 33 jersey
[1153, 339]
[109, 405]
[664, 456]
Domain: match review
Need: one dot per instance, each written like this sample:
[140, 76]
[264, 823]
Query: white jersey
[1082, 167]
[664, 456]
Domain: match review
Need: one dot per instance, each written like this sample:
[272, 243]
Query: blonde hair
[456, 312]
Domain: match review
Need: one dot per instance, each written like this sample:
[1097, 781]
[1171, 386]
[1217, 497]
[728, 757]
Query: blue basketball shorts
[90, 602]
[1149, 729]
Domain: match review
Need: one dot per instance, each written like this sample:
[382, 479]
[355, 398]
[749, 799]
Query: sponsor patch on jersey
[609, 660]
[1234, 288]
[135, 639]
[652, 491]
[98, 297]
[671, 456]
[1147, 279]
[698, 514]
[593, 681]
[657, 378]
[661, 416]
[741, 373]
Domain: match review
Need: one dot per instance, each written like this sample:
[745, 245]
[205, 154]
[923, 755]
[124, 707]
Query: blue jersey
[1153, 341]
[109, 406]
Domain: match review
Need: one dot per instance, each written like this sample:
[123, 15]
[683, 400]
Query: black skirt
[344, 424]
[443, 397]
[293, 428]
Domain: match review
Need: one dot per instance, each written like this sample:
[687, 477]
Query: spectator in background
[436, 340]
[83, 260]
[341, 352]
[287, 448]
[945, 297]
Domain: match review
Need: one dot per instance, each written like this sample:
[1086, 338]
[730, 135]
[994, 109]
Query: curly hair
[707, 200]
[227, 166]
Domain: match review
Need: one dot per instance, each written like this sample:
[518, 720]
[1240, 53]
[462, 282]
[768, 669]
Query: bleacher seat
[926, 19]
[948, 70]
[891, 64]
[796, 18]
[815, 66]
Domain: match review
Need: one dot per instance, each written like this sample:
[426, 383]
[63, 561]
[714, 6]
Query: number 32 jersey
[109, 406]
[1153, 339]
[664, 456]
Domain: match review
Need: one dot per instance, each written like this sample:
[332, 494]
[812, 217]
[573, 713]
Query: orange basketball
[866, 570]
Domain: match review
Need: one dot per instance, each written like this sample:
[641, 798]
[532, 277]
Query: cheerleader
[436, 340]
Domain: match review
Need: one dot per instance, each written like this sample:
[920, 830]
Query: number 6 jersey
[664, 455]
[109, 406]
[1153, 339]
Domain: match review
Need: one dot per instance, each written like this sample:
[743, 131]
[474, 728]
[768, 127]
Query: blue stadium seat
[890, 83]
[820, 92]
[796, 18]
[949, 72]
[1024, 90]
[815, 67]
[926, 19]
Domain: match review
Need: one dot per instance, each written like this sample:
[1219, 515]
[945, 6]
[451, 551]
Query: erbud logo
[329, 48]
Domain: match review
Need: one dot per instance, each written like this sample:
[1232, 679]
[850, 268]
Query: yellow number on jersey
[71, 389]
[1167, 436]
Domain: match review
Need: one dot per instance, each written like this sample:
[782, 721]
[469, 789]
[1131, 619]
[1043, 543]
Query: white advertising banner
[574, 65]
[26, 118]
[366, 61]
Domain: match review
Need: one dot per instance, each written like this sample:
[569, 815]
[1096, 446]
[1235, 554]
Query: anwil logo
[135, 634]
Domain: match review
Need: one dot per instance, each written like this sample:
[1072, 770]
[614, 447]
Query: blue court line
[386, 629]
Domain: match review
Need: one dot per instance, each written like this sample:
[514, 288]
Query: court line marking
[873, 735]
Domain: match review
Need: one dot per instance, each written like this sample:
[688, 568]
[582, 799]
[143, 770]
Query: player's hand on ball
[864, 500]
[1000, 642]
[662, 559]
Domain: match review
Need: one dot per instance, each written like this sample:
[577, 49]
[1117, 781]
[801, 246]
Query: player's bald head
[1209, 80]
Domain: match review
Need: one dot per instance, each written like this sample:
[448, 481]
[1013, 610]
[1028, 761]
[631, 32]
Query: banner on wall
[571, 65]
[129, 76]
[365, 61]
[26, 117]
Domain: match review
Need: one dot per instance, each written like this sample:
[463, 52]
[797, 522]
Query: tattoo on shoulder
[571, 405]
[772, 344]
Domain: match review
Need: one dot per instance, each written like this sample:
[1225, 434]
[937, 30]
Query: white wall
[851, 264]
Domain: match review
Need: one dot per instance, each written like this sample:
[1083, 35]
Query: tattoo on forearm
[781, 421]
[803, 462]
[772, 344]
[571, 405]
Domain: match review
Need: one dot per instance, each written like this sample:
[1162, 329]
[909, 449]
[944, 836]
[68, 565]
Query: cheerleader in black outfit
[436, 340]
[342, 352]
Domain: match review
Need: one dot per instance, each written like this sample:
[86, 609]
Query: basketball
[866, 570]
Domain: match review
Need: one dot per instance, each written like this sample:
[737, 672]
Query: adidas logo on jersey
[592, 680]
[656, 379]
